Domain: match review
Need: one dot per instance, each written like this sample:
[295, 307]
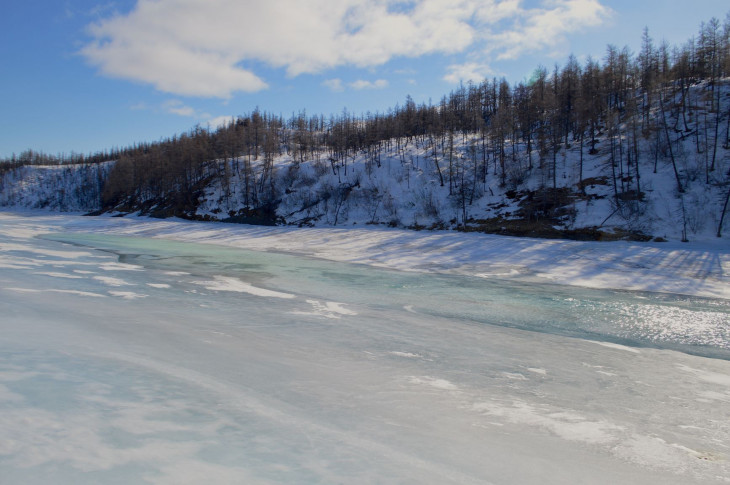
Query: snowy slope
[409, 195]
[67, 188]
[399, 185]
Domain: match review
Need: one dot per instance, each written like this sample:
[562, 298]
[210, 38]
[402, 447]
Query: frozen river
[130, 359]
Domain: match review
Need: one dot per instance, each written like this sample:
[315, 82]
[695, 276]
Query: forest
[629, 133]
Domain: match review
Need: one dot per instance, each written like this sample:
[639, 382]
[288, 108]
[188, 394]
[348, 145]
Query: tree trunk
[620, 154]
[580, 170]
[722, 216]
[669, 143]
[436, 162]
[613, 163]
[636, 161]
[727, 129]
[717, 129]
[451, 162]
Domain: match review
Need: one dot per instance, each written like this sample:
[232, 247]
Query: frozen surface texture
[131, 353]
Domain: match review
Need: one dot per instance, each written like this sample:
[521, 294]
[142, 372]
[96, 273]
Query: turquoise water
[694, 325]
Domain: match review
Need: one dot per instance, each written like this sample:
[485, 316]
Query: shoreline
[701, 269]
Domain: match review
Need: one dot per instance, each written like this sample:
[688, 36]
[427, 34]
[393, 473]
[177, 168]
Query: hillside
[65, 188]
[636, 147]
[399, 184]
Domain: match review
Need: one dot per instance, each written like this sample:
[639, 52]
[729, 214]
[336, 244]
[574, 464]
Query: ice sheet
[419, 379]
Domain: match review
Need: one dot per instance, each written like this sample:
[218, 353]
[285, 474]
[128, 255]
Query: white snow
[120, 267]
[158, 285]
[54, 274]
[434, 382]
[328, 309]
[111, 281]
[612, 345]
[225, 283]
[54, 290]
[127, 295]
[567, 425]
[712, 377]
[408, 355]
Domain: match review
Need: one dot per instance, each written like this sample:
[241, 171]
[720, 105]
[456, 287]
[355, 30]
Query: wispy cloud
[540, 28]
[177, 107]
[334, 85]
[174, 107]
[470, 71]
[208, 48]
[362, 84]
[139, 107]
[102, 9]
[219, 121]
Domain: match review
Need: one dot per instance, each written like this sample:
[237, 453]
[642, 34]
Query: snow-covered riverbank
[699, 269]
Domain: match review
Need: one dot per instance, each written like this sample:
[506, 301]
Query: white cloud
[337, 85]
[540, 28]
[219, 121]
[362, 84]
[179, 108]
[176, 107]
[470, 71]
[209, 48]
[334, 85]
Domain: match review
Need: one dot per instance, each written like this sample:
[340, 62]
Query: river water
[695, 325]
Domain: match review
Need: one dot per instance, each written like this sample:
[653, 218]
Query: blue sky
[88, 75]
